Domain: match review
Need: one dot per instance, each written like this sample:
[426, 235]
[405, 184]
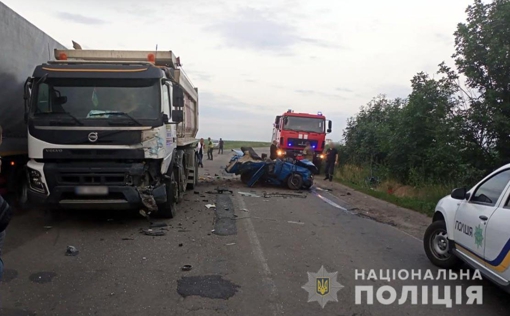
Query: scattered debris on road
[284, 195]
[150, 232]
[248, 194]
[72, 251]
[128, 238]
[220, 191]
[231, 244]
[158, 224]
[293, 222]
[180, 245]
[210, 206]
[186, 267]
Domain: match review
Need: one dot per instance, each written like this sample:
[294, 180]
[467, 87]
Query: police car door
[472, 215]
[497, 240]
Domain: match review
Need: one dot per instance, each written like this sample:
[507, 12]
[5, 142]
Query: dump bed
[187, 130]
[23, 47]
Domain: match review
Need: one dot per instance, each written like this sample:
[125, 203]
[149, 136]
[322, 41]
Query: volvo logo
[93, 137]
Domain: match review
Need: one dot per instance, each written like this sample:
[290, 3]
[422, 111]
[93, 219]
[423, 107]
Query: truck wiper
[117, 113]
[67, 113]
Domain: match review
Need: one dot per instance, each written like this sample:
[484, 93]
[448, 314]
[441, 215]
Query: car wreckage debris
[220, 191]
[150, 232]
[147, 198]
[72, 251]
[269, 195]
[248, 194]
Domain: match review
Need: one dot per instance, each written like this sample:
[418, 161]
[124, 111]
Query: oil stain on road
[209, 286]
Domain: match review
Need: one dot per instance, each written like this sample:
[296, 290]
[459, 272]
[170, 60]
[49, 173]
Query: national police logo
[322, 287]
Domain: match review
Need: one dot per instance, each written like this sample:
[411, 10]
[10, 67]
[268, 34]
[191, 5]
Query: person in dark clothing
[5, 219]
[200, 152]
[220, 146]
[273, 150]
[331, 161]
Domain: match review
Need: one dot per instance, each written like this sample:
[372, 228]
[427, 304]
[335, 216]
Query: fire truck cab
[292, 130]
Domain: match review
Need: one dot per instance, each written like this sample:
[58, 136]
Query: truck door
[472, 216]
[171, 134]
[497, 239]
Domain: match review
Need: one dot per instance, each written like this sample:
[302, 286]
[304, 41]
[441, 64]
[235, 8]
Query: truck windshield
[92, 99]
[303, 124]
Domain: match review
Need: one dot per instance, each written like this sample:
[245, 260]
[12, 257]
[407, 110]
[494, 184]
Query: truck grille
[301, 142]
[91, 179]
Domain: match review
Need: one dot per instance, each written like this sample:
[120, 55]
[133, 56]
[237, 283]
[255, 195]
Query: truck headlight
[280, 152]
[36, 183]
[321, 156]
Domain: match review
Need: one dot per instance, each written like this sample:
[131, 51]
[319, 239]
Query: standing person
[209, 149]
[5, 218]
[200, 152]
[220, 146]
[331, 161]
[308, 152]
[273, 150]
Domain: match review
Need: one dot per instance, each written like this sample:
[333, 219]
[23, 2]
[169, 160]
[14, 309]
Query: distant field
[237, 144]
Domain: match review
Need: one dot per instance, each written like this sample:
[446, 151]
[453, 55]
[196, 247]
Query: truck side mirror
[177, 116]
[459, 194]
[165, 119]
[178, 97]
[330, 126]
[60, 100]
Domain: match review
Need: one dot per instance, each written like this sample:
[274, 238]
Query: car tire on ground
[437, 246]
[295, 181]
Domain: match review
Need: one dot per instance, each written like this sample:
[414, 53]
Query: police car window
[490, 190]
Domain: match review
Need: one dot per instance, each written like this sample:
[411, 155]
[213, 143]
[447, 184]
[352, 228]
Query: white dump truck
[111, 130]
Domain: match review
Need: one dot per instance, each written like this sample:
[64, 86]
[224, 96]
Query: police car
[474, 227]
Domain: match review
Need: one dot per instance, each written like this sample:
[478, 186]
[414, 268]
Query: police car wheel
[437, 246]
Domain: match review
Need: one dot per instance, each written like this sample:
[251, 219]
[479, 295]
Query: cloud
[227, 117]
[343, 90]
[253, 29]
[448, 40]
[317, 93]
[78, 18]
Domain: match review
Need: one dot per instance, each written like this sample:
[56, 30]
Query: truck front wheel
[168, 209]
[437, 246]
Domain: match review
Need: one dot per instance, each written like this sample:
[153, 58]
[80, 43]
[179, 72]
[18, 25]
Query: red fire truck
[292, 130]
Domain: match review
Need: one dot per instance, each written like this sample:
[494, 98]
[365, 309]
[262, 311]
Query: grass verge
[237, 144]
[422, 199]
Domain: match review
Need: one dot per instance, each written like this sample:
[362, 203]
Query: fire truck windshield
[303, 124]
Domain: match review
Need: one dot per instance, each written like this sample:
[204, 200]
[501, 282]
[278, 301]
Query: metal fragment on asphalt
[248, 194]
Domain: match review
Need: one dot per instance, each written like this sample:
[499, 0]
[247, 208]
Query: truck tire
[295, 181]
[436, 245]
[168, 209]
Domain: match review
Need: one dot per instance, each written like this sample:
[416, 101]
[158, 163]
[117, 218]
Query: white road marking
[353, 213]
[259, 256]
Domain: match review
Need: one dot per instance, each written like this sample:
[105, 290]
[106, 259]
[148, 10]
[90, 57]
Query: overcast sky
[253, 60]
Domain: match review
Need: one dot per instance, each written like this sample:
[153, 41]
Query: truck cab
[472, 226]
[111, 129]
[292, 130]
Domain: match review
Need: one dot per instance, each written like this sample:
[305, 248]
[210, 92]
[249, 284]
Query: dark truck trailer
[23, 46]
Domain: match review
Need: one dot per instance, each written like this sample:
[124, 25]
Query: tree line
[451, 129]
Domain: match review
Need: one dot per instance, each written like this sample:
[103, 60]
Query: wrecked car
[294, 174]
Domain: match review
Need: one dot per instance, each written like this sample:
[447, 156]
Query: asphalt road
[249, 256]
